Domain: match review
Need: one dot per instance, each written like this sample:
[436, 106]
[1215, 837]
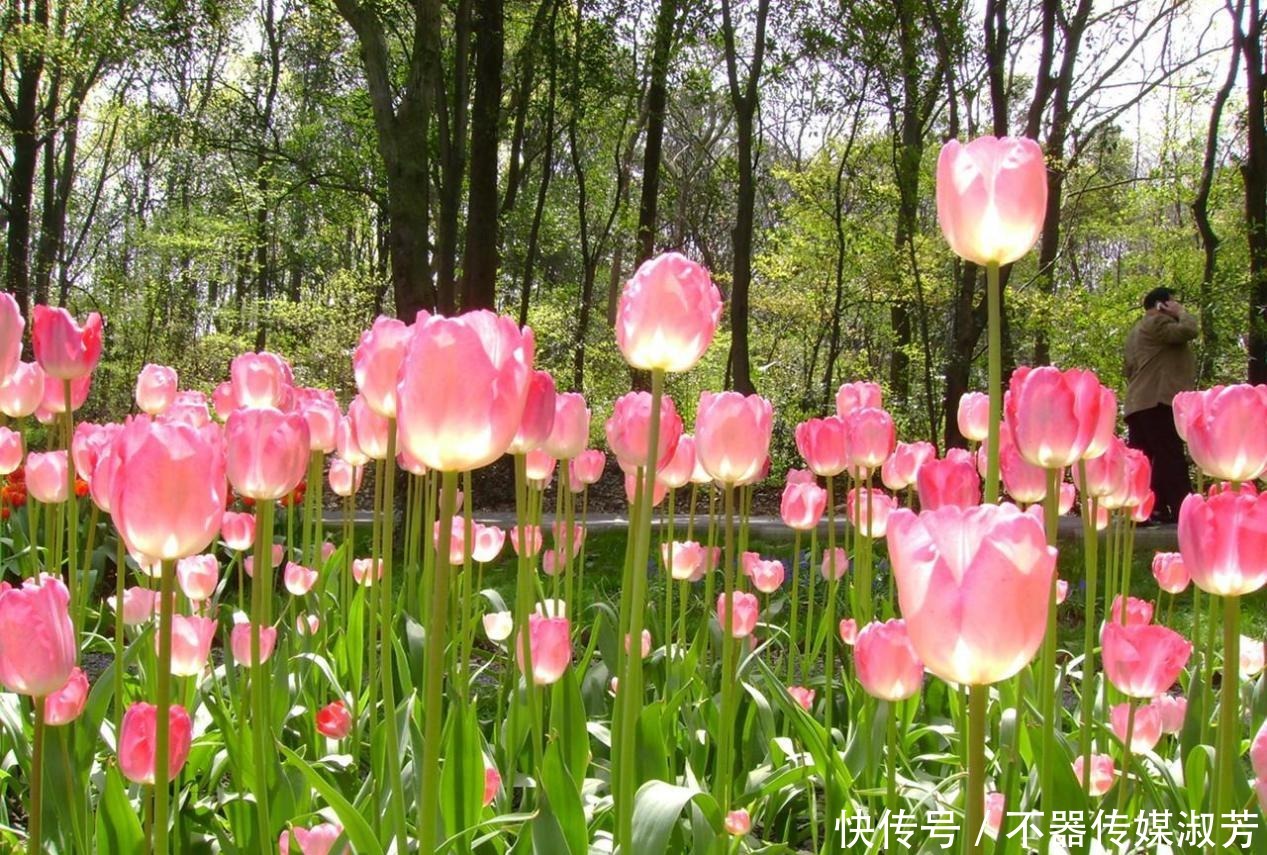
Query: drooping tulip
[1223, 541]
[571, 428]
[746, 610]
[266, 452]
[376, 363]
[732, 435]
[539, 414]
[22, 390]
[974, 586]
[973, 416]
[156, 388]
[902, 468]
[1143, 660]
[551, 644]
[887, 665]
[168, 492]
[950, 482]
[67, 703]
[802, 504]
[1053, 415]
[1223, 428]
[260, 380]
[991, 198]
[65, 349]
[46, 476]
[333, 721]
[1101, 774]
[668, 314]
[1145, 730]
[628, 430]
[463, 387]
[191, 644]
[138, 742]
[198, 576]
[822, 444]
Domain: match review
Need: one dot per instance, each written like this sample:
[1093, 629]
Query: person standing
[1160, 364]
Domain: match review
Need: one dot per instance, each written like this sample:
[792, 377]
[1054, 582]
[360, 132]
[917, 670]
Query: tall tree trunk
[543, 186]
[480, 260]
[24, 121]
[1201, 211]
[522, 100]
[745, 103]
[657, 102]
[1254, 177]
[452, 129]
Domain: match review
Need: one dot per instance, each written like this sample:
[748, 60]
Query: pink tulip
[168, 492]
[307, 624]
[463, 387]
[950, 482]
[561, 537]
[974, 416]
[198, 576]
[1252, 657]
[1107, 475]
[872, 436]
[345, 479]
[12, 325]
[376, 364]
[1223, 427]
[266, 452]
[188, 408]
[1101, 777]
[888, 666]
[155, 388]
[1053, 415]
[10, 450]
[37, 642]
[366, 571]
[1062, 591]
[658, 490]
[834, 564]
[629, 430]
[263, 380]
[322, 415]
[539, 465]
[492, 784]
[498, 625]
[974, 586]
[571, 428]
[1023, 481]
[1143, 660]
[991, 198]
[823, 444]
[333, 721]
[804, 697]
[90, 444]
[67, 703]
[1173, 709]
[738, 823]
[1258, 752]
[551, 641]
[677, 472]
[538, 416]
[237, 531]
[1143, 512]
[732, 435]
[53, 404]
[1223, 541]
[139, 605]
[298, 579]
[644, 649]
[767, 576]
[744, 620]
[869, 510]
[902, 468]
[240, 641]
[371, 429]
[586, 468]
[1137, 611]
[276, 553]
[668, 314]
[532, 540]
[1106, 428]
[994, 804]
[191, 644]
[488, 541]
[22, 390]
[137, 742]
[1146, 729]
[1068, 493]
[849, 631]
[346, 447]
[318, 840]
[856, 396]
[63, 348]
[683, 558]
[802, 505]
[46, 476]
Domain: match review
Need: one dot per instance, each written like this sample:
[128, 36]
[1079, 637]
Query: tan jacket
[1159, 360]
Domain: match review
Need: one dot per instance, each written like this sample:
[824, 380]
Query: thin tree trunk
[480, 260]
[543, 187]
[1254, 177]
[657, 102]
[452, 128]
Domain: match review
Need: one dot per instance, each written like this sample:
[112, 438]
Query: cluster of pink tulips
[277, 687]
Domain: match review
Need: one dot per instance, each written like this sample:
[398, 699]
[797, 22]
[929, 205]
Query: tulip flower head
[667, 315]
[991, 198]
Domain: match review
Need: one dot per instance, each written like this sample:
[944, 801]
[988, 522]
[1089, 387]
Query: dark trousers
[1153, 432]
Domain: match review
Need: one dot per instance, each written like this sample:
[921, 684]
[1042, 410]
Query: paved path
[1163, 537]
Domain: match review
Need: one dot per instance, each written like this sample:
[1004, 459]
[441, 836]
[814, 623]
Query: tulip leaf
[562, 816]
[658, 807]
[358, 831]
[652, 762]
[567, 719]
[118, 822]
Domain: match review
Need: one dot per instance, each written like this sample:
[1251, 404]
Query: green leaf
[567, 719]
[358, 831]
[118, 823]
[561, 807]
[657, 808]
